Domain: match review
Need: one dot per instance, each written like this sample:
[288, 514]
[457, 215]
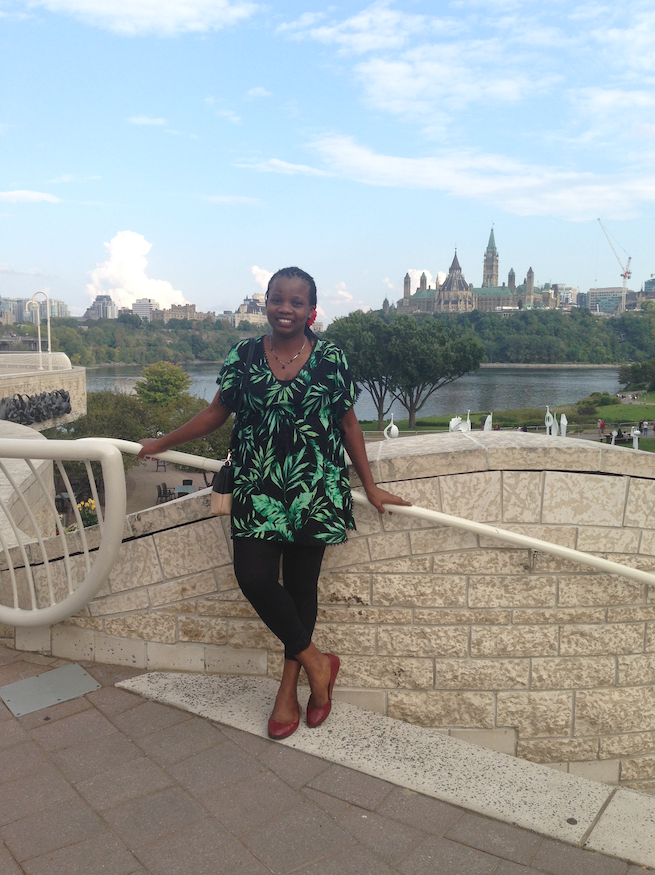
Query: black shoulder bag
[223, 482]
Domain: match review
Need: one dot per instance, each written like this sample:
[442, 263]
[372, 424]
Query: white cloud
[27, 197]
[274, 165]
[182, 134]
[229, 115]
[230, 199]
[163, 18]
[123, 274]
[6, 269]
[262, 276]
[259, 92]
[388, 283]
[146, 120]
[521, 188]
[307, 19]
[415, 276]
[339, 298]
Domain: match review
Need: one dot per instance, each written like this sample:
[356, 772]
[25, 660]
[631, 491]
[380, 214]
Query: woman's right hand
[151, 446]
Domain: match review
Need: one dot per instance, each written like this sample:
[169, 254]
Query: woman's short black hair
[303, 275]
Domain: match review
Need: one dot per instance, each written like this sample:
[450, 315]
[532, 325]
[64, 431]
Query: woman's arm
[353, 441]
[203, 423]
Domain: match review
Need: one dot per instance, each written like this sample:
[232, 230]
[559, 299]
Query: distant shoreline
[550, 367]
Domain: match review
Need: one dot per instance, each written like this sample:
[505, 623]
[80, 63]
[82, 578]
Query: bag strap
[244, 383]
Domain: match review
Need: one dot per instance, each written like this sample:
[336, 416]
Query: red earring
[311, 319]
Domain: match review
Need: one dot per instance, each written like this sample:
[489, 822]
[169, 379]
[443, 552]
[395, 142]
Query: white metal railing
[29, 362]
[47, 574]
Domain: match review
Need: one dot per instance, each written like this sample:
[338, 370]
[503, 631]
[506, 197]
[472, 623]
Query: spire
[455, 265]
[491, 245]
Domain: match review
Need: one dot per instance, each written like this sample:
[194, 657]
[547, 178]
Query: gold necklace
[270, 343]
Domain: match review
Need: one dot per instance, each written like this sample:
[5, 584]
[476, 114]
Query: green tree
[426, 356]
[365, 339]
[164, 383]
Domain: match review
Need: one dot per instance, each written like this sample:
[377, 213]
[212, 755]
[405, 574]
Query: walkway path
[113, 784]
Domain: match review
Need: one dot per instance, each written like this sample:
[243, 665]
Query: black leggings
[290, 610]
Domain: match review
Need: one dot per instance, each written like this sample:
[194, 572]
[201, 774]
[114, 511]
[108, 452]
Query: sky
[184, 150]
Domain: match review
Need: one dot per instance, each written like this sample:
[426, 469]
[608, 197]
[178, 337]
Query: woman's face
[287, 306]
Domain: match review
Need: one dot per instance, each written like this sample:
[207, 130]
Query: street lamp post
[36, 304]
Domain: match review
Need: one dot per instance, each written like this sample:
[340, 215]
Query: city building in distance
[16, 310]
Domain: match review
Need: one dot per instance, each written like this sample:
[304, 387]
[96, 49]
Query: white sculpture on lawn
[391, 431]
[634, 434]
[548, 420]
[488, 423]
[563, 422]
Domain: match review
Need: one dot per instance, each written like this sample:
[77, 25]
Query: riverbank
[553, 367]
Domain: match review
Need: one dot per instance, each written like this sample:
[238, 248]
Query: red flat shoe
[315, 716]
[277, 731]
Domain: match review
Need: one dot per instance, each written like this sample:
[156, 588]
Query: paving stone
[98, 755]
[251, 803]
[108, 675]
[388, 838]
[55, 712]
[639, 870]
[299, 837]
[72, 731]
[27, 795]
[18, 670]
[103, 853]
[353, 787]
[556, 858]
[12, 733]
[21, 760]
[148, 718]
[502, 839]
[8, 866]
[293, 766]
[253, 868]
[422, 812]
[149, 819]
[507, 868]
[52, 828]
[5, 713]
[123, 782]
[111, 701]
[249, 742]
[336, 808]
[352, 861]
[202, 849]
[214, 768]
[181, 740]
[435, 855]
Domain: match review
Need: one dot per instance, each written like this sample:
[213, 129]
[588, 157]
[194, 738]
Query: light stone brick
[636, 670]
[137, 565]
[522, 496]
[640, 505]
[252, 634]
[84, 623]
[448, 709]
[441, 540]
[421, 493]
[647, 544]
[152, 626]
[429, 590]
[631, 615]
[650, 637]
[376, 616]
[565, 536]
[179, 590]
[130, 600]
[37, 639]
[587, 640]
[275, 664]
[604, 712]
[455, 617]
[368, 700]
[545, 563]
[484, 562]
[386, 672]
[512, 592]
[407, 565]
[69, 642]
[638, 769]
[415, 464]
[353, 552]
[541, 457]
[231, 603]
[573, 672]
[627, 744]
[599, 589]
[608, 540]
[582, 499]
[500, 740]
[225, 578]
[367, 520]
[472, 496]
[226, 660]
[481, 674]
[423, 641]
[175, 657]
[120, 651]
[552, 750]
[343, 588]
[388, 545]
[207, 630]
[345, 638]
[513, 641]
[606, 771]
[193, 548]
[555, 616]
[535, 715]
[179, 608]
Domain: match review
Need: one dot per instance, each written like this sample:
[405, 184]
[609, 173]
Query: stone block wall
[72, 381]
[511, 648]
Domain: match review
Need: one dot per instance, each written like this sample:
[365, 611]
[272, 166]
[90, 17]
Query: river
[486, 390]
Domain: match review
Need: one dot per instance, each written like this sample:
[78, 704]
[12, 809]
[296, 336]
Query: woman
[291, 491]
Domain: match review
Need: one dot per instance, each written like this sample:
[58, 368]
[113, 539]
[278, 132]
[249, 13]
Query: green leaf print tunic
[290, 478]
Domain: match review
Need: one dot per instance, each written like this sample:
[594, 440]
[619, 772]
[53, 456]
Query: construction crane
[626, 273]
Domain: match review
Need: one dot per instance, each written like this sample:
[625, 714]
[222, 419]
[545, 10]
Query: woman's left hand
[379, 497]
